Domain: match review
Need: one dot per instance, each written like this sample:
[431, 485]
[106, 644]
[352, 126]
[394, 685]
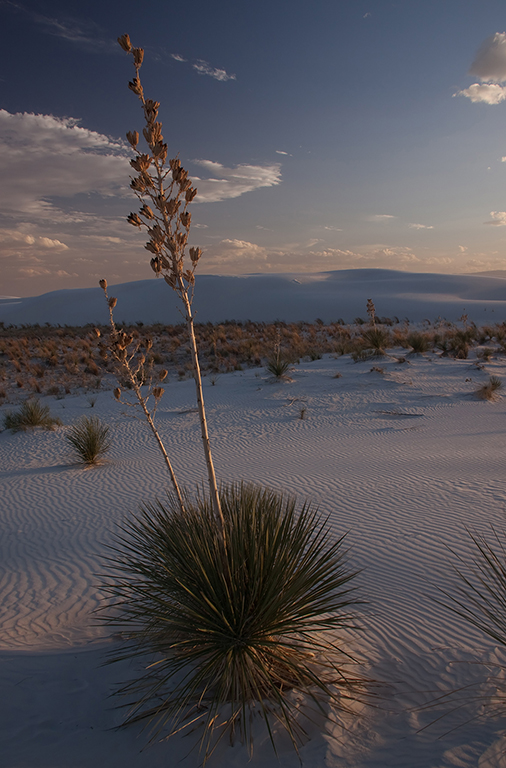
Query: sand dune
[289, 297]
[404, 460]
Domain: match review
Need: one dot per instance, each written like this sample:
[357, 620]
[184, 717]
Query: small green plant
[235, 626]
[31, 414]
[278, 365]
[90, 439]
[487, 391]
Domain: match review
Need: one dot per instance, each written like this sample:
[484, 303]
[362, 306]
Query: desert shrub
[31, 414]
[488, 390]
[376, 339]
[233, 618]
[485, 354]
[419, 342]
[90, 439]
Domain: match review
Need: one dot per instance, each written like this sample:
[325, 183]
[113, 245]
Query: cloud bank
[489, 66]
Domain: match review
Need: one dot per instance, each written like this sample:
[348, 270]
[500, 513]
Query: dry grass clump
[487, 391]
[31, 414]
[232, 627]
[90, 439]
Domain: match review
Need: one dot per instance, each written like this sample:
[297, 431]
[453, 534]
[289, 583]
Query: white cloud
[490, 61]
[204, 68]
[486, 93]
[177, 57]
[280, 152]
[420, 226]
[462, 248]
[503, 159]
[334, 229]
[42, 157]
[227, 183]
[380, 217]
[498, 219]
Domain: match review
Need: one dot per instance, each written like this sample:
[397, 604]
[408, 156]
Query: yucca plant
[90, 439]
[31, 414]
[419, 342]
[487, 391]
[233, 631]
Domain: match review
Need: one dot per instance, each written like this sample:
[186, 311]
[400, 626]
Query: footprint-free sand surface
[405, 460]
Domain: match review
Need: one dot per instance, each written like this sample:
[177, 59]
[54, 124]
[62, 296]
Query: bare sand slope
[403, 460]
[291, 297]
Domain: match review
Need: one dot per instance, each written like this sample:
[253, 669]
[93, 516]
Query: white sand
[404, 461]
[289, 297]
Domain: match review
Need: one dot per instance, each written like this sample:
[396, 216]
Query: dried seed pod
[134, 219]
[149, 343]
[186, 219]
[140, 163]
[135, 86]
[147, 212]
[163, 375]
[117, 393]
[125, 43]
[138, 54]
[190, 194]
[133, 138]
[103, 284]
[96, 331]
[152, 247]
[158, 392]
[112, 302]
[195, 254]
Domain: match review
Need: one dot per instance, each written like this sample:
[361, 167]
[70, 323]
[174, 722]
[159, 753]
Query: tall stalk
[163, 188]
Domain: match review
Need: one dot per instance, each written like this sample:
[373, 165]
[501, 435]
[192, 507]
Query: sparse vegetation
[90, 439]
[31, 414]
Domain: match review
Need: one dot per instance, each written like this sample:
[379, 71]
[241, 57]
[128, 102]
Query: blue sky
[326, 135]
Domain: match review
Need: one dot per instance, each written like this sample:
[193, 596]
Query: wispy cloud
[333, 229]
[380, 218]
[80, 31]
[226, 183]
[498, 219]
[204, 68]
[489, 66]
[420, 226]
[177, 57]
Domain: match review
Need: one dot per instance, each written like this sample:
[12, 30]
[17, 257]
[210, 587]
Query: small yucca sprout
[89, 439]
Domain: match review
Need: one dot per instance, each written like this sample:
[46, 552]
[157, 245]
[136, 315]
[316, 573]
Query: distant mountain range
[265, 297]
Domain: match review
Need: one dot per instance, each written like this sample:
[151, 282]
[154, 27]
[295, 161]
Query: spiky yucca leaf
[234, 627]
[480, 595]
[90, 439]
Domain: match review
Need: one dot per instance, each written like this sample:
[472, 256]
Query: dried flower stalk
[165, 192]
[130, 365]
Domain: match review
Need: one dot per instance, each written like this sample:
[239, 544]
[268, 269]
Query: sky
[336, 134]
